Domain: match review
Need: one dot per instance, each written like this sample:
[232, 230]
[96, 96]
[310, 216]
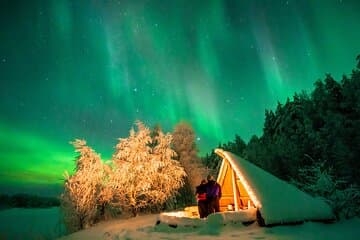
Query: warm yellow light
[189, 212]
[247, 186]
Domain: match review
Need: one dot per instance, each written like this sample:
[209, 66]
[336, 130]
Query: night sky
[89, 69]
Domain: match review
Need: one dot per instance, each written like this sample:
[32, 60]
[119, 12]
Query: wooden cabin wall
[244, 196]
[226, 189]
[228, 192]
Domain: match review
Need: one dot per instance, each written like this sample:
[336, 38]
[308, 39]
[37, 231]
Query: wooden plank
[234, 185]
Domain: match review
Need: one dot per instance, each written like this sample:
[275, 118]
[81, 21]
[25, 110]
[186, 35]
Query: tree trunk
[134, 211]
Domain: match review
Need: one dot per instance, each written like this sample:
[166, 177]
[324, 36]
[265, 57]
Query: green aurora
[89, 69]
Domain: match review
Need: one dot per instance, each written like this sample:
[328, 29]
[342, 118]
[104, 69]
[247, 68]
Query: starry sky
[89, 69]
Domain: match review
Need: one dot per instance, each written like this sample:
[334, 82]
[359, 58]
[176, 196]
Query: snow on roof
[277, 200]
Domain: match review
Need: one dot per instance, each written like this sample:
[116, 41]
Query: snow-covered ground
[37, 223]
[144, 227]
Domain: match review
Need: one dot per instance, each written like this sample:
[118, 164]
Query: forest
[312, 141]
[22, 200]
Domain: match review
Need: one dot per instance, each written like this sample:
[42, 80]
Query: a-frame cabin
[234, 195]
[245, 186]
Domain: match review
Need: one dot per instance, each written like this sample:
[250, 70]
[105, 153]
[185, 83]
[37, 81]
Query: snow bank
[179, 219]
[182, 219]
[224, 218]
[143, 227]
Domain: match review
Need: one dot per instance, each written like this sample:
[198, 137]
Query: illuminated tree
[144, 176]
[167, 174]
[84, 191]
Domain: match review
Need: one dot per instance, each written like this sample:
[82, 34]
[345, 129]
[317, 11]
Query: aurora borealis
[89, 69]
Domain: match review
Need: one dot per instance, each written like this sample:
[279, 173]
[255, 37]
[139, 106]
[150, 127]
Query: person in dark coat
[213, 195]
[201, 199]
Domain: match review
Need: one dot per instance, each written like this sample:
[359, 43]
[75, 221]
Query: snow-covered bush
[319, 181]
[84, 191]
[346, 202]
[144, 174]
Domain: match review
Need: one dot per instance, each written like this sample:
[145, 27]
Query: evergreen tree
[237, 146]
[320, 181]
[212, 161]
[253, 152]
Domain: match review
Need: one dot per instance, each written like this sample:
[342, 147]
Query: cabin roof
[276, 200]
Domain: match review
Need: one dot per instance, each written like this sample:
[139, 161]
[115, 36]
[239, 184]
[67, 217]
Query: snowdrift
[183, 219]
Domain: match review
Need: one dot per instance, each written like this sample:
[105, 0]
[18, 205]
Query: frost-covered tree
[84, 191]
[185, 146]
[144, 176]
[319, 180]
[164, 164]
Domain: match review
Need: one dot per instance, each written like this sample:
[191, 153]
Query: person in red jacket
[201, 199]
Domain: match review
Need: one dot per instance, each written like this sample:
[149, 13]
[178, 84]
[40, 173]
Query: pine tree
[319, 180]
[255, 152]
[212, 162]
